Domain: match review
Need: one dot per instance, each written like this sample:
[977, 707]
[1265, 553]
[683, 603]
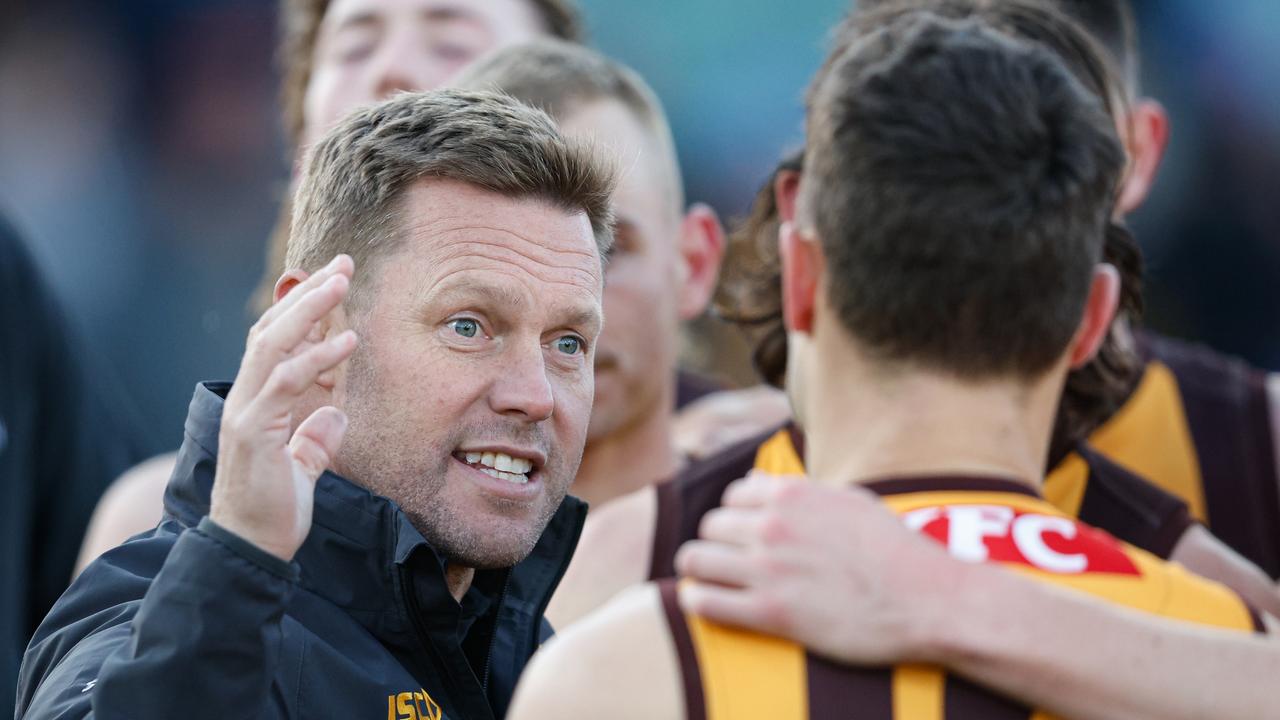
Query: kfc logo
[995, 533]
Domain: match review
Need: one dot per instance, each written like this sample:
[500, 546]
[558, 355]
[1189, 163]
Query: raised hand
[265, 483]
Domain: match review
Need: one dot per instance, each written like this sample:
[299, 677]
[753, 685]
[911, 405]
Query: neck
[917, 423]
[458, 578]
[622, 462]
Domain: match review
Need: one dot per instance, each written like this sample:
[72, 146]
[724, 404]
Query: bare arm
[618, 663]
[1205, 555]
[134, 503]
[1081, 658]
[613, 555]
[835, 570]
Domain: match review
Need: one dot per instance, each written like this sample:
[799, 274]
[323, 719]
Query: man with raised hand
[340, 55]
[337, 56]
[461, 238]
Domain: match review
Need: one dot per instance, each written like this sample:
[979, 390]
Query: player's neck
[624, 461]
[918, 424]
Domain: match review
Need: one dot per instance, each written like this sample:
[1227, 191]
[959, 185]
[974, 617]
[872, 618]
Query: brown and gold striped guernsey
[1085, 485]
[733, 674]
[1198, 425]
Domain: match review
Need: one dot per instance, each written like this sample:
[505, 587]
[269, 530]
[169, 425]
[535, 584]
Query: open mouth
[498, 465]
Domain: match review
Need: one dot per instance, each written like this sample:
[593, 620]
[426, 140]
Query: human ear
[801, 269]
[1099, 311]
[1146, 138]
[701, 250]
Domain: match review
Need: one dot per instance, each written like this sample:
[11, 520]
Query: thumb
[317, 440]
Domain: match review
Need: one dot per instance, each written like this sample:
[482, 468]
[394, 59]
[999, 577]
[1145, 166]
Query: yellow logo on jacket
[416, 705]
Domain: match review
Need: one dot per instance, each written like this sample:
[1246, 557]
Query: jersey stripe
[917, 693]
[965, 700]
[694, 701]
[836, 689]
[1150, 436]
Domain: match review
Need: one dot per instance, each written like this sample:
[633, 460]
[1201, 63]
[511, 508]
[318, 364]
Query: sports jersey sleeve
[1131, 508]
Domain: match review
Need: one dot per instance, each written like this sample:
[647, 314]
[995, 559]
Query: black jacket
[65, 433]
[191, 621]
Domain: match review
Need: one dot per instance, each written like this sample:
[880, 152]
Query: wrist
[957, 616]
[245, 532]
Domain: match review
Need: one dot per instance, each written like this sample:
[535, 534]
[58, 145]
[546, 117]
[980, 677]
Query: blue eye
[465, 327]
[569, 345]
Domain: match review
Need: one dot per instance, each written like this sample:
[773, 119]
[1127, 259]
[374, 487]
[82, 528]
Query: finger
[733, 526]
[317, 440]
[757, 489]
[270, 346]
[295, 376]
[714, 562]
[730, 606]
[341, 264]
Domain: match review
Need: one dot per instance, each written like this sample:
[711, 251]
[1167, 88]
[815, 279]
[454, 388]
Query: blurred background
[141, 154]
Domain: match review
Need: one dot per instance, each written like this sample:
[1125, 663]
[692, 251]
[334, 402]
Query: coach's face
[470, 394]
[368, 49]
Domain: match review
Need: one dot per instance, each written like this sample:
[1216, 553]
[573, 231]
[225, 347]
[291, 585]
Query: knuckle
[774, 613]
[285, 379]
[774, 528]
[260, 344]
[786, 493]
[773, 566]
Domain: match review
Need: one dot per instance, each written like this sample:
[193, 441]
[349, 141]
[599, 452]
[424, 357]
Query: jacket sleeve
[205, 642]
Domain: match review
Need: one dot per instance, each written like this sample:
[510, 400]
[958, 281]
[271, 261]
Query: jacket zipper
[493, 636]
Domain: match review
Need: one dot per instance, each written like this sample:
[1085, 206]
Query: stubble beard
[414, 475]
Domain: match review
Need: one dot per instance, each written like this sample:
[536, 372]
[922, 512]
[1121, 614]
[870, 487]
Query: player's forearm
[1077, 657]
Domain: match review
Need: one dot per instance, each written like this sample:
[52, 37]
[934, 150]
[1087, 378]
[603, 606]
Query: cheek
[431, 387]
[573, 405]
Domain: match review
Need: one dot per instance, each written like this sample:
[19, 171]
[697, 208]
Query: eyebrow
[372, 18]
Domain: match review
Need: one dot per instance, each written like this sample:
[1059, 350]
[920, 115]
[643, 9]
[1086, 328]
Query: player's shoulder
[1189, 597]
[1131, 507]
[701, 483]
[618, 662]
[1198, 368]
[614, 553]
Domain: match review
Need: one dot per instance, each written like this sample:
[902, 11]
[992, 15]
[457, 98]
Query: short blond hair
[560, 77]
[353, 179]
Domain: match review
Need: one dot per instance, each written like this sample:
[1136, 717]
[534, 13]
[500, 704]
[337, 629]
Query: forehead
[646, 165]
[510, 20]
[451, 230]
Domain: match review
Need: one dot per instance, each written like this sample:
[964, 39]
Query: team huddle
[447, 480]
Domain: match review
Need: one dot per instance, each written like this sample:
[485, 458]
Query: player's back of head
[960, 181]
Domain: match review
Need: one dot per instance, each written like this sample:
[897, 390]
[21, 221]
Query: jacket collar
[360, 542]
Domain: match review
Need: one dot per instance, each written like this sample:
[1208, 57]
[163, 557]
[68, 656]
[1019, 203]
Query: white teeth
[509, 477]
[502, 465]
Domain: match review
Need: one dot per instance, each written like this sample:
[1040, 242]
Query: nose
[522, 389]
[397, 60]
